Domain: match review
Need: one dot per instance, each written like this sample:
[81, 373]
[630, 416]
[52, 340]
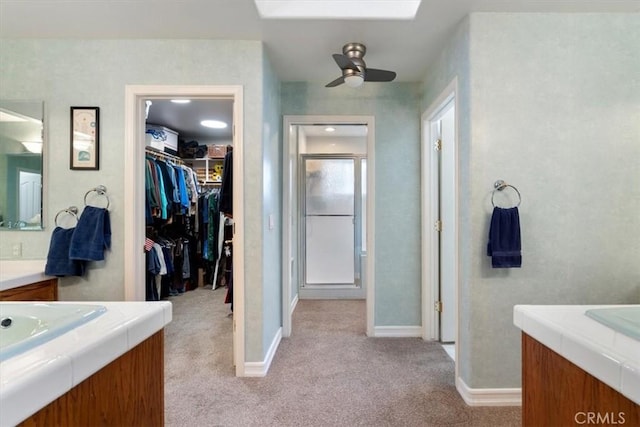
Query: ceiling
[185, 118]
[299, 50]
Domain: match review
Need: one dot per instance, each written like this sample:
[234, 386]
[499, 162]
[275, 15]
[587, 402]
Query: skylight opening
[338, 9]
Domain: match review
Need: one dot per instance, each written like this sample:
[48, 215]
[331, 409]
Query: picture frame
[85, 138]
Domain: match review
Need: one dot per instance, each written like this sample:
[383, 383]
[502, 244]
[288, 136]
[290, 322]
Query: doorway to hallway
[328, 200]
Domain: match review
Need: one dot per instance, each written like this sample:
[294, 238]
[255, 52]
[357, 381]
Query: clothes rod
[157, 153]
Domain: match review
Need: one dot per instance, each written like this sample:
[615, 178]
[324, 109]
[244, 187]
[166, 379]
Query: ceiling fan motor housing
[355, 52]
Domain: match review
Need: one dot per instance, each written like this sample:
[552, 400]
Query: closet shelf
[202, 159]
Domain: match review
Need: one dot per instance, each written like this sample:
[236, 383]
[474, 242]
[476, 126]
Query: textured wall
[452, 63]
[395, 107]
[551, 104]
[94, 72]
[556, 112]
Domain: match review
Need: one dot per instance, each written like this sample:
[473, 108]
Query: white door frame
[430, 251]
[134, 220]
[289, 252]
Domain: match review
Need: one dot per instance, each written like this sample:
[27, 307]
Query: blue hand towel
[58, 261]
[504, 245]
[92, 235]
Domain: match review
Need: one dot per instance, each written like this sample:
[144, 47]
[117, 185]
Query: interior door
[330, 222]
[447, 193]
[29, 195]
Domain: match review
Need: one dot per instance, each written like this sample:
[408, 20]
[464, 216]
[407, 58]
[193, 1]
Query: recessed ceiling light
[337, 9]
[181, 101]
[329, 129]
[214, 124]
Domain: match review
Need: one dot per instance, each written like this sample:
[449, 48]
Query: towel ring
[71, 210]
[500, 185]
[101, 190]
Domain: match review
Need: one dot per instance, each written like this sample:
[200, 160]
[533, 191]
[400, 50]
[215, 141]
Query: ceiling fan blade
[344, 62]
[375, 75]
[336, 82]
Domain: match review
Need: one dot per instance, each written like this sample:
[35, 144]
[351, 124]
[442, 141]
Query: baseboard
[260, 369]
[294, 303]
[397, 331]
[489, 396]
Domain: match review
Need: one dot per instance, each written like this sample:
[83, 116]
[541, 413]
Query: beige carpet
[328, 373]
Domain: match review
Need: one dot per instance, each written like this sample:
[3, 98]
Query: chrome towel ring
[71, 210]
[500, 185]
[102, 191]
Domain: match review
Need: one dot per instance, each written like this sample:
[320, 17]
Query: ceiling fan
[354, 69]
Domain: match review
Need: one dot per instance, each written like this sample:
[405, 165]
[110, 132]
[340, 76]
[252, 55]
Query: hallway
[328, 373]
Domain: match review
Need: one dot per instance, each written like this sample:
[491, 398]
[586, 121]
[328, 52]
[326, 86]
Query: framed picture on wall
[85, 138]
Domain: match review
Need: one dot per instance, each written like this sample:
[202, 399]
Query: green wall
[67, 73]
[551, 104]
[397, 177]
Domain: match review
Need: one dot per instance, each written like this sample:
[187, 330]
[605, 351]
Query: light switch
[272, 222]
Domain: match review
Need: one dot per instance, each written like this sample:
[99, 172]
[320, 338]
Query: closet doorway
[440, 222]
[136, 98]
[328, 200]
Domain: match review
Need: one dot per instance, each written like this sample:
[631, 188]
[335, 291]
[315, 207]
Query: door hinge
[437, 145]
[438, 225]
[438, 306]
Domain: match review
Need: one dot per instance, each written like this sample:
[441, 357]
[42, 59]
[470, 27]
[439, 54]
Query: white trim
[294, 304]
[489, 396]
[260, 369]
[287, 251]
[134, 265]
[288, 256]
[397, 331]
[371, 222]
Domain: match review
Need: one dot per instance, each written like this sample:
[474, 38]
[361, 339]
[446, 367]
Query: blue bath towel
[504, 245]
[92, 235]
[58, 261]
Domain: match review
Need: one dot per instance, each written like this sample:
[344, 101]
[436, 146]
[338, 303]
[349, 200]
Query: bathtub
[84, 337]
[26, 325]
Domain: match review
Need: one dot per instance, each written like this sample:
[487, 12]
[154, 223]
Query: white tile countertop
[31, 380]
[608, 355]
[15, 273]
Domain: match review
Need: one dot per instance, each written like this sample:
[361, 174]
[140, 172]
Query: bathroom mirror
[21, 143]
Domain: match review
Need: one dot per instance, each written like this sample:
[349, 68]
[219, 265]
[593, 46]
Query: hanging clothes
[226, 190]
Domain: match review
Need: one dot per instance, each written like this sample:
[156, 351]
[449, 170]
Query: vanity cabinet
[129, 391]
[45, 290]
[555, 392]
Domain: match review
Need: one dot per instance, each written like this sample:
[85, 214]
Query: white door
[447, 193]
[29, 196]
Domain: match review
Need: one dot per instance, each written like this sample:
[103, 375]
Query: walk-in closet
[189, 214]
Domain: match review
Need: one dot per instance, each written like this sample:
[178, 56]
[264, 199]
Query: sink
[24, 326]
[625, 320]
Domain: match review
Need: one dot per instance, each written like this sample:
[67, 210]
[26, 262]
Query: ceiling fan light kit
[354, 69]
[354, 80]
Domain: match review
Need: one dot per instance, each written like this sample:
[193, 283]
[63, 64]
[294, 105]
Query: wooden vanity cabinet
[45, 290]
[555, 392]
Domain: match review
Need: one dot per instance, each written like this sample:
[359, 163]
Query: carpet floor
[328, 373]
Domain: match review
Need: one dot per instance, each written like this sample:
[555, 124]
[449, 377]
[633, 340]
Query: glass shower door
[329, 221]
